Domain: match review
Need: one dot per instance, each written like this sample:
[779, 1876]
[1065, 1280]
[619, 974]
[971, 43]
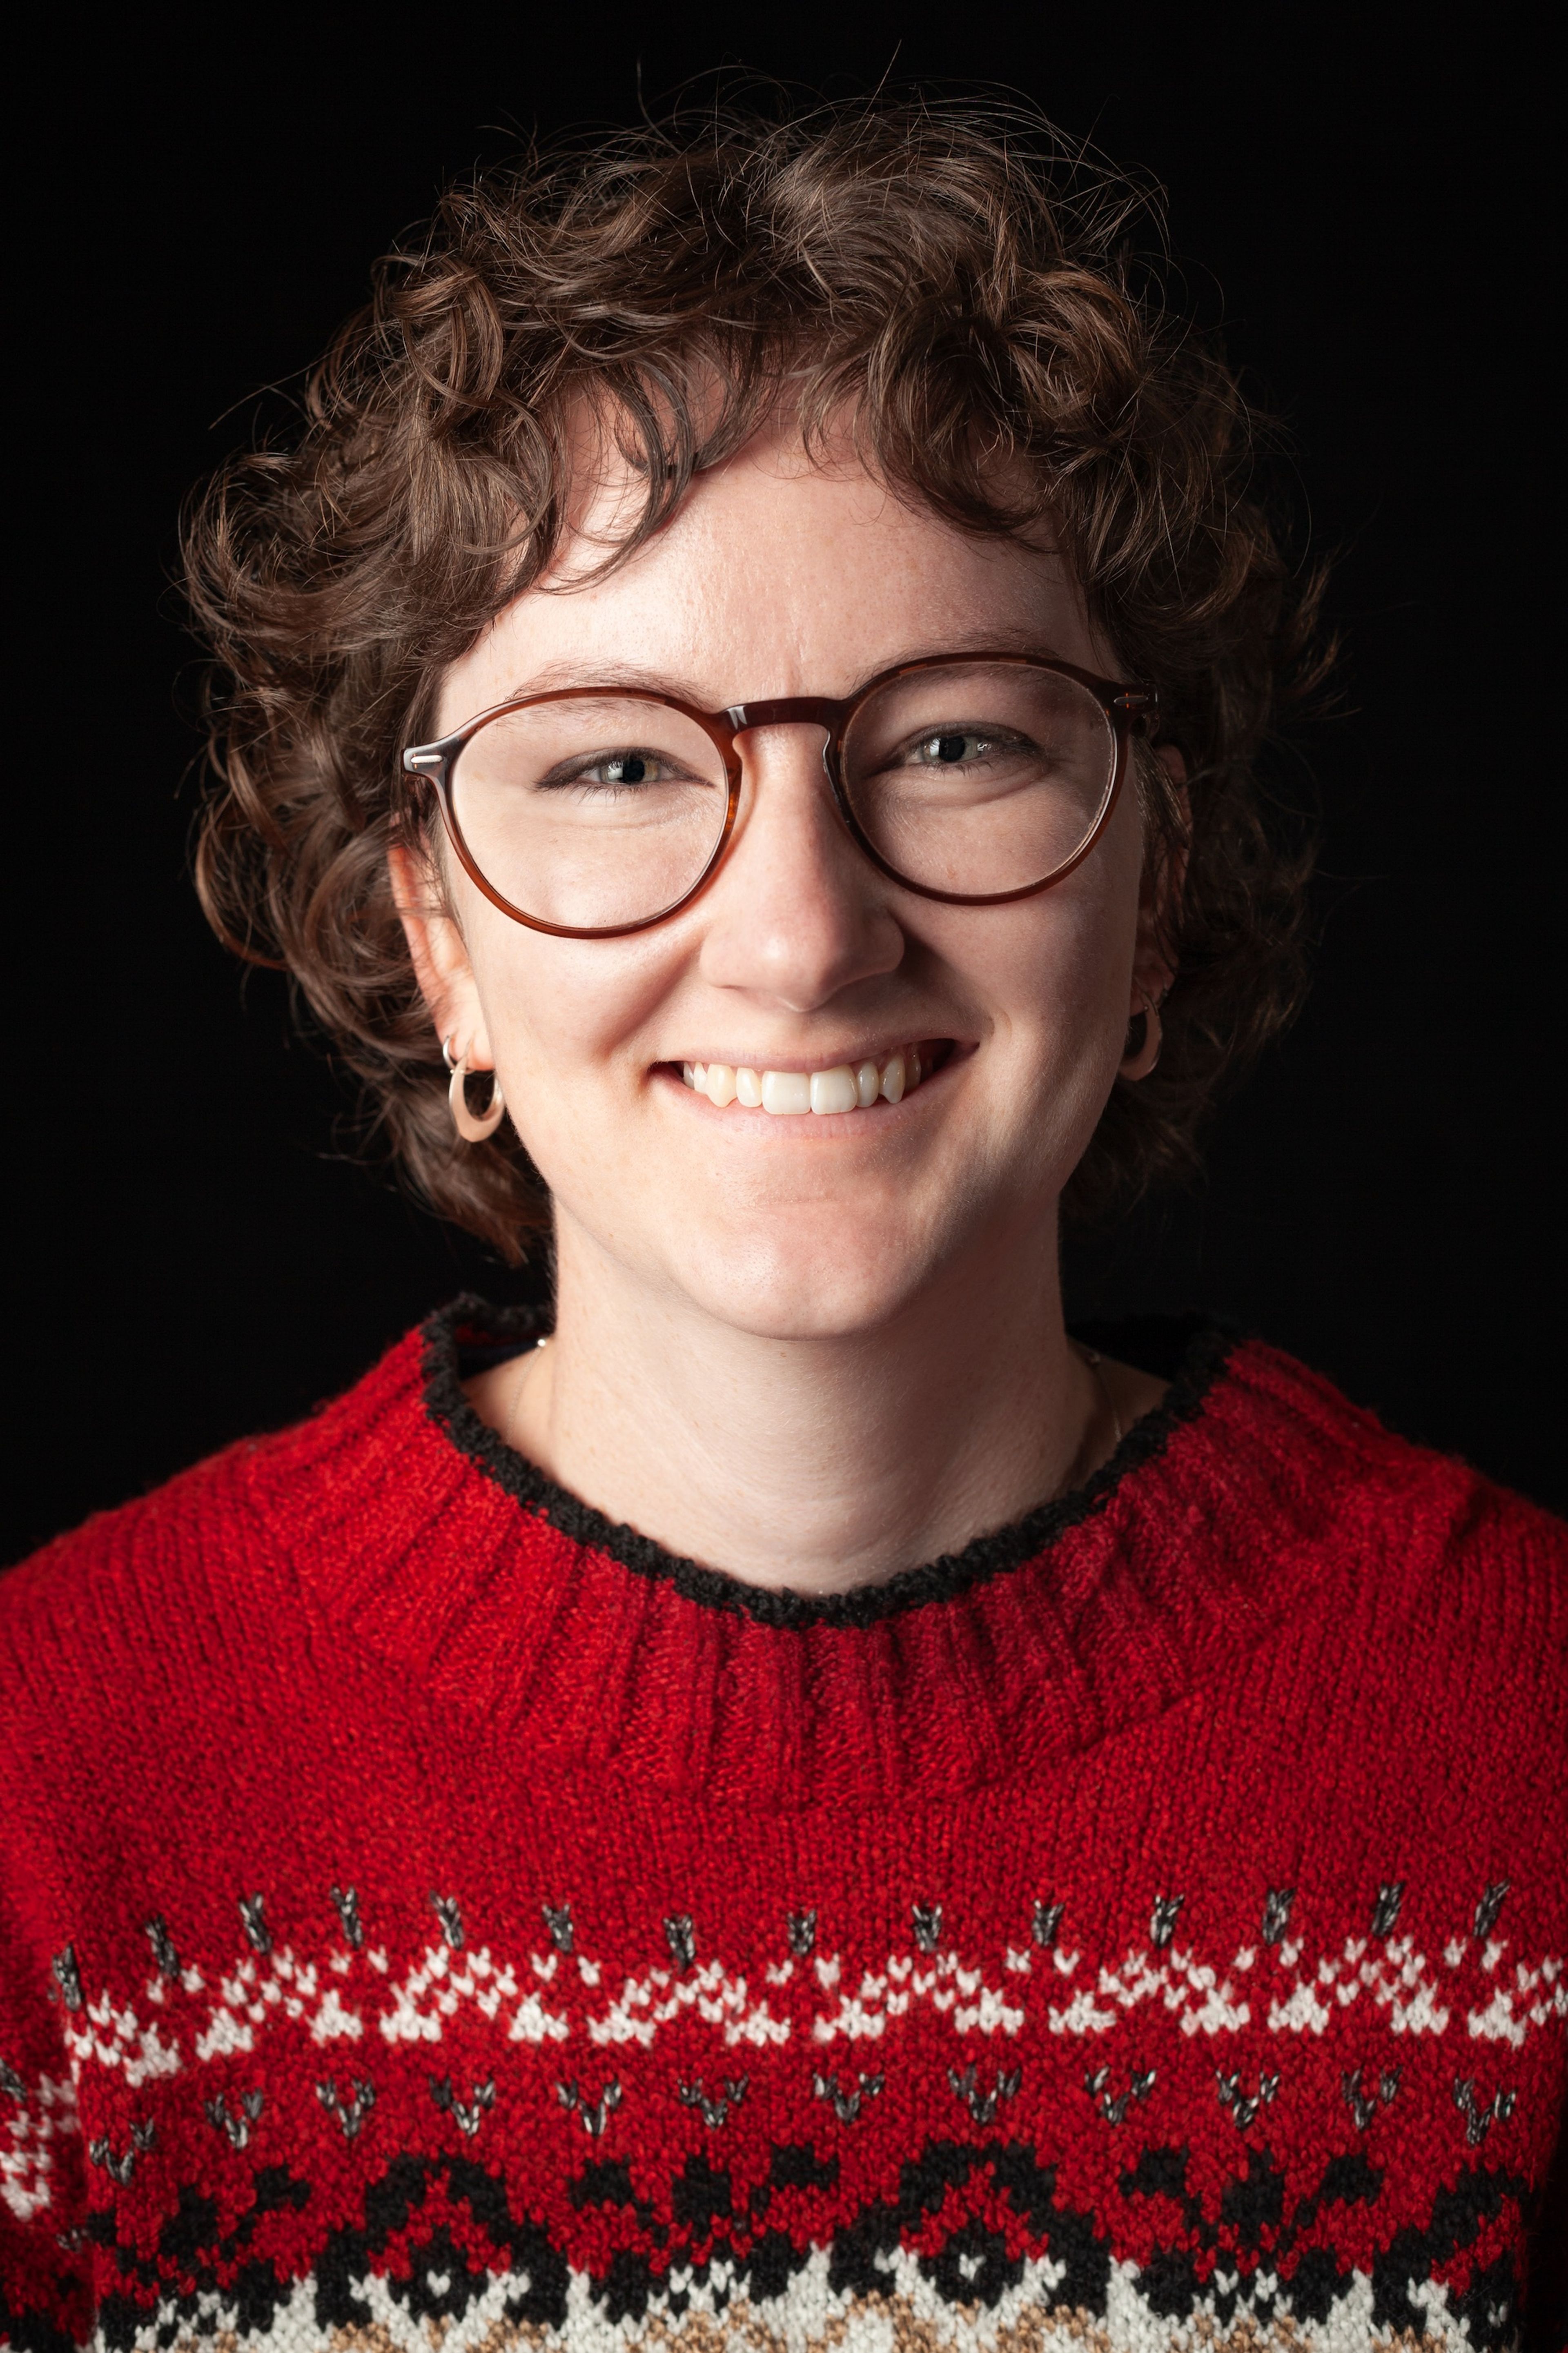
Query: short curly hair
[974, 298]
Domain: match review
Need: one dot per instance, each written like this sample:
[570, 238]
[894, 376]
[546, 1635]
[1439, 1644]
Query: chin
[794, 1285]
[818, 1273]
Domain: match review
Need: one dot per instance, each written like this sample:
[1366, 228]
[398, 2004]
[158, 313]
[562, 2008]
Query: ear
[439, 956]
[1153, 969]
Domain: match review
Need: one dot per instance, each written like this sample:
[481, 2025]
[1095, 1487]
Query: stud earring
[471, 1128]
[1140, 1065]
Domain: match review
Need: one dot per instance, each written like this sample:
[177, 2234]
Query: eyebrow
[634, 676]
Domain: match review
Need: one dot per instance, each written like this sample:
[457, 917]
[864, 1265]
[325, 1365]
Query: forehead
[777, 575]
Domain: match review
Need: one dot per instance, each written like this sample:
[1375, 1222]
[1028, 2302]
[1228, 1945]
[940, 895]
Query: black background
[196, 1256]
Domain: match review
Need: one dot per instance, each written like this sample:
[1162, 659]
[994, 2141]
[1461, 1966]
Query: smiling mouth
[865, 1085]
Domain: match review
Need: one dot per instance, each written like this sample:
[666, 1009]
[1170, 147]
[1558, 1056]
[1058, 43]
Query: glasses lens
[985, 777]
[591, 812]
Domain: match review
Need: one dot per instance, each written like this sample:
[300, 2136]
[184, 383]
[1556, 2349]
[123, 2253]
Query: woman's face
[778, 578]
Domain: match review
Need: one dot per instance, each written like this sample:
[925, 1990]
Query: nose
[795, 915]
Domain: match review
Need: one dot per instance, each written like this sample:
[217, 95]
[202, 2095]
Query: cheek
[1053, 973]
[1061, 1037]
[564, 1015]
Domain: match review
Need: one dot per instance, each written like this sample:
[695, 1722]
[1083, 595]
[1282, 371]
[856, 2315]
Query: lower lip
[827, 1124]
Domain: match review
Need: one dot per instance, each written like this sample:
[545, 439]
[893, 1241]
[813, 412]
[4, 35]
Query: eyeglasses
[976, 778]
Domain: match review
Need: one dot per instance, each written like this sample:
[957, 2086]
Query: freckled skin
[740, 1296]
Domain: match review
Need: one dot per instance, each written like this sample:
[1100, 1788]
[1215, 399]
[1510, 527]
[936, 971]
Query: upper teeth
[846, 1087]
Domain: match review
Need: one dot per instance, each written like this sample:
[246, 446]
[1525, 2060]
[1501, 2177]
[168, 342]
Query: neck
[821, 1464]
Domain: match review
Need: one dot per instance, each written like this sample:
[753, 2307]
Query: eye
[950, 747]
[619, 768]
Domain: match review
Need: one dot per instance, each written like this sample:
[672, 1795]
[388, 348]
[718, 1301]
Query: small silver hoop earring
[1140, 1065]
[473, 1128]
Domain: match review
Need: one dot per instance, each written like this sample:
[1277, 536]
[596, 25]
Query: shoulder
[1312, 1443]
[1380, 1633]
[182, 1582]
[1419, 1558]
[74, 1597]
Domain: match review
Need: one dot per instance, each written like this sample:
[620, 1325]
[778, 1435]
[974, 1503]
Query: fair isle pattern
[739, 2232]
[434, 1921]
[43, 2115]
[562, 1998]
[440, 2305]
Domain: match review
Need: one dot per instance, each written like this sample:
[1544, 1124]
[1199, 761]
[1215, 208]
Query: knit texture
[432, 1917]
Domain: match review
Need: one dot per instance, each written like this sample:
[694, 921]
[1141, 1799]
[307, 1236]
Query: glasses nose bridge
[795, 710]
[787, 711]
[790, 710]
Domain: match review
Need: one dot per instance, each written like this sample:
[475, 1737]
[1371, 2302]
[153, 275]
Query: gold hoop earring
[471, 1128]
[1140, 1065]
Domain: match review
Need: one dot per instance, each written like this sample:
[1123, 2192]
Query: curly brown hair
[943, 273]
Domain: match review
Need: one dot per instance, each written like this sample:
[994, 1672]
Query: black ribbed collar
[470, 1335]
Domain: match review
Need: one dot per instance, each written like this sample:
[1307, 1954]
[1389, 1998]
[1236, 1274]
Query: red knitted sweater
[432, 1918]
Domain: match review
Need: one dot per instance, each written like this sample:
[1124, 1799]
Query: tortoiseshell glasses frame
[1128, 709]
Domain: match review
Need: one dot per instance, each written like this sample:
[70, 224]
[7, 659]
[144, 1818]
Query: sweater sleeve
[45, 2283]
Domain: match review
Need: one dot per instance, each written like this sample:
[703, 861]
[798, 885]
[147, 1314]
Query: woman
[774, 1797]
